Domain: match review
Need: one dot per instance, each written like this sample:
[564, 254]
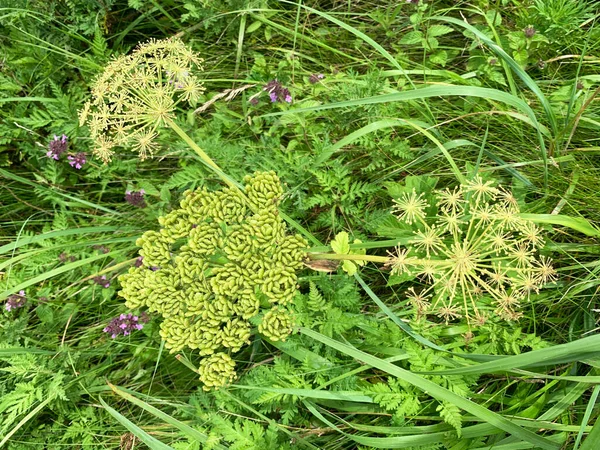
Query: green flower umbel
[138, 93]
[475, 254]
[213, 265]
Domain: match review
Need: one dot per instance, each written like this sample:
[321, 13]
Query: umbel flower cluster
[138, 93]
[220, 260]
[472, 250]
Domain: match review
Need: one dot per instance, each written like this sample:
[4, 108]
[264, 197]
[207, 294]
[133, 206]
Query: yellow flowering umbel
[138, 93]
[213, 266]
[475, 252]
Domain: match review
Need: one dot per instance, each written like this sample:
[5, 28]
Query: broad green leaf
[412, 37]
[438, 30]
[341, 244]
[349, 267]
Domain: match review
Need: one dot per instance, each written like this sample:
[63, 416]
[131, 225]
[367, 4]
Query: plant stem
[336, 257]
[204, 157]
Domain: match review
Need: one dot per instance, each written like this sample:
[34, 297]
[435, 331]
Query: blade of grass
[28, 99]
[586, 417]
[150, 441]
[367, 129]
[438, 91]
[345, 396]
[558, 354]
[524, 76]
[25, 419]
[58, 234]
[575, 223]
[54, 272]
[185, 429]
[593, 439]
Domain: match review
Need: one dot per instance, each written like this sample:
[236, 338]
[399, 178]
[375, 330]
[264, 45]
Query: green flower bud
[231, 206]
[216, 371]
[176, 332]
[246, 305]
[279, 285]
[156, 249]
[198, 204]
[235, 334]
[277, 324]
[232, 260]
[175, 225]
[263, 190]
[134, 285]
[190, 266]
[205, 238]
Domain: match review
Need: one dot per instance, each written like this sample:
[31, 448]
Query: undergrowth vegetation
[263, 224]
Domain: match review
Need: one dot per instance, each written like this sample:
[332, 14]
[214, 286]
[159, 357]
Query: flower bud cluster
[214, 265]
[473, 251]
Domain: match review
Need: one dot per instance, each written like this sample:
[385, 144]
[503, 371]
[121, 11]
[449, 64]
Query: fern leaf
[451, 415]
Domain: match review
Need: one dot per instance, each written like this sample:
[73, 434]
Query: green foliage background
[520, 109]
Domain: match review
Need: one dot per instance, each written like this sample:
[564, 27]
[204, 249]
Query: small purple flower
[529, 31]
[77, 161]
[315, 78]
[15, 301]
[139, 261]
[277, 92]
[136, 198]
[125, 324]
[102, 281]
[64, 257]
[57, 147]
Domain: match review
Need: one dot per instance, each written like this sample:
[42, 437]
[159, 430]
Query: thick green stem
[204, 157]
[336, 257]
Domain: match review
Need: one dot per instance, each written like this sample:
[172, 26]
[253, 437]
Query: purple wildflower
[277, 92]
[57, 147]
[102, 281]
[15, 301]
[77, 161]
[125, 324]
[315, 78]
[136, 198]
[529, 31]
[139, 261]
[101, 248]
[64, 257]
